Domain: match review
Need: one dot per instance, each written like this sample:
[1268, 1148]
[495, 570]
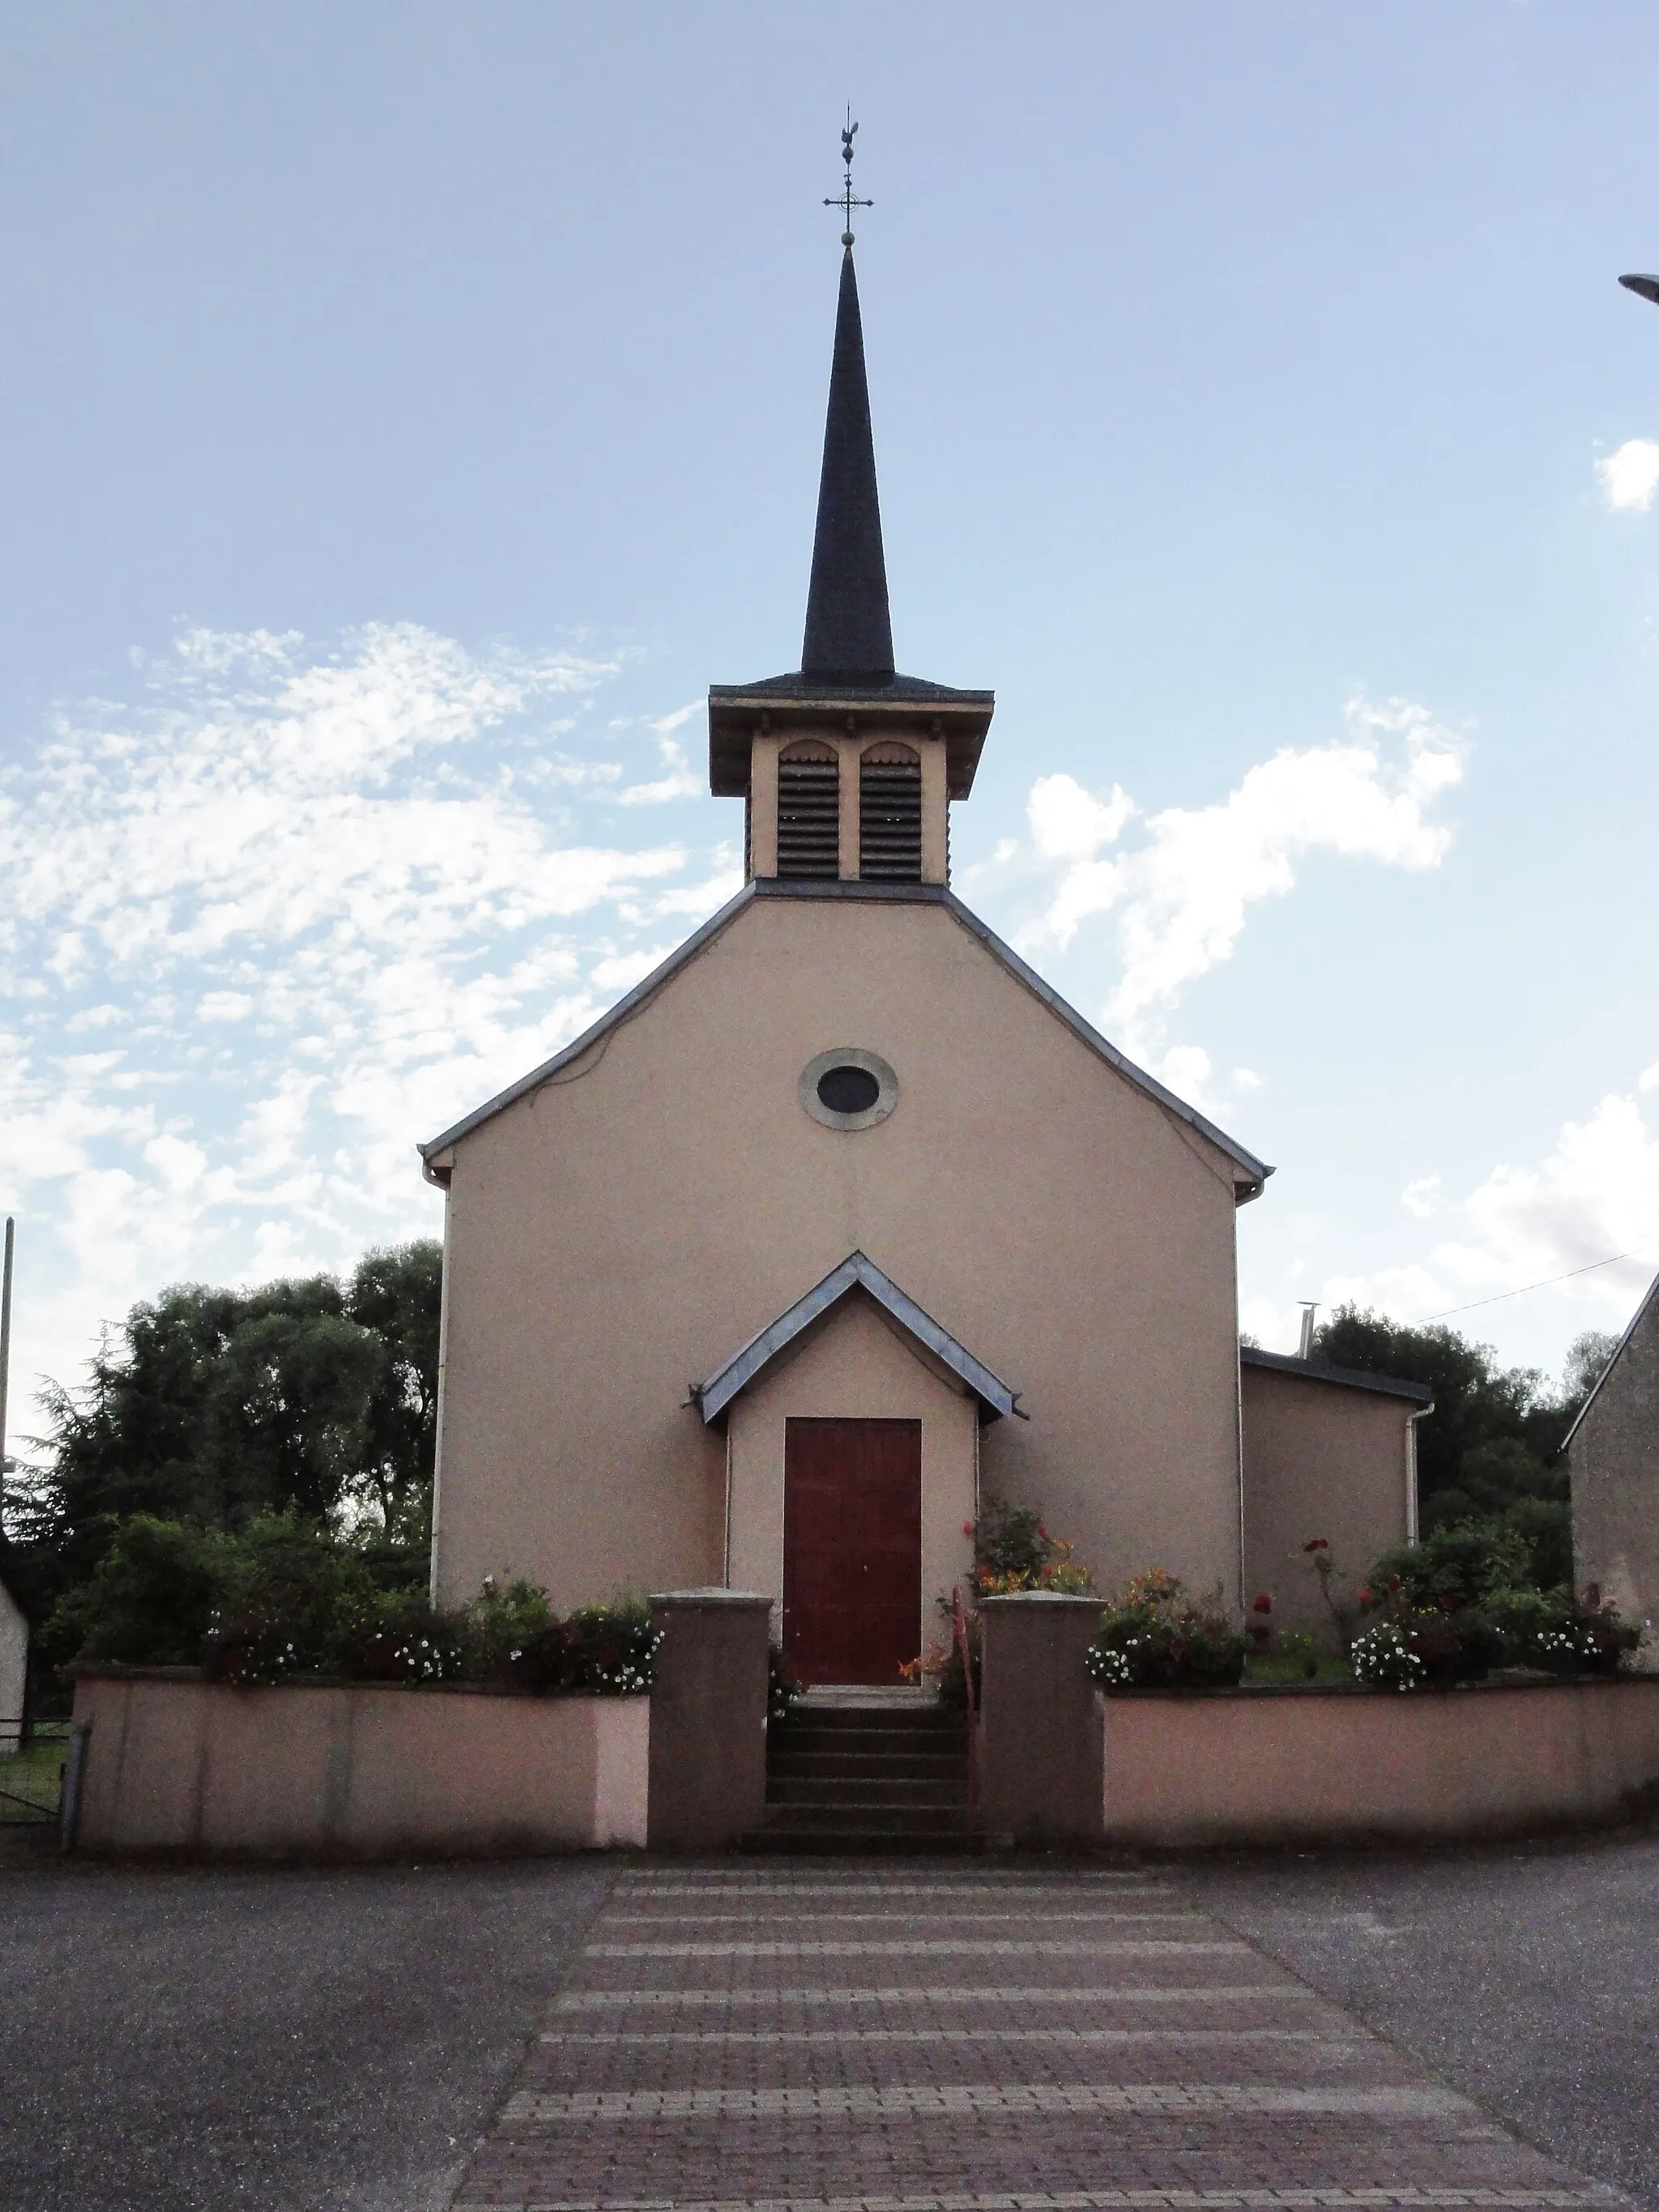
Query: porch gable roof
[856, 1271]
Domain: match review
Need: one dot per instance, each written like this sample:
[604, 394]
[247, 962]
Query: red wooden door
[852, 1549]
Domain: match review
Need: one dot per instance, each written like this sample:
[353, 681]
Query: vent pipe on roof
[1304, 1349]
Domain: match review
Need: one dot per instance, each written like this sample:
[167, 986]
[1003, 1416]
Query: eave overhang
[856, 1272]
[1348, 1379]
[788, 705]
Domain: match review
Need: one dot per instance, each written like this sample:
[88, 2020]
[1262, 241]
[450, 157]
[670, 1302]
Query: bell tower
[848, 770]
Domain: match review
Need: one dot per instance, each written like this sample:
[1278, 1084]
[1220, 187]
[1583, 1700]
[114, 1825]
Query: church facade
[842, 1218]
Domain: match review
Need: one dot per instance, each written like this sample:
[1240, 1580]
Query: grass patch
[1270, 1670]
[30, 1780]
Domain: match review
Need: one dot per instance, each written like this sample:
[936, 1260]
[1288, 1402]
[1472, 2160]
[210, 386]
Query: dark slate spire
[850, 633]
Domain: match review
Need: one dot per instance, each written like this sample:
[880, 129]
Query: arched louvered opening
[889, 815]
[808, 812]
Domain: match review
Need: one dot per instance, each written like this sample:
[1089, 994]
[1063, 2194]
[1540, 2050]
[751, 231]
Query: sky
[412, 409]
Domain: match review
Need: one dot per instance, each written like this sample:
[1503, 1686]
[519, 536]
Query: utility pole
[5, 1353]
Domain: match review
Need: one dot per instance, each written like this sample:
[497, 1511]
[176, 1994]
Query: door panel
[852, 1549]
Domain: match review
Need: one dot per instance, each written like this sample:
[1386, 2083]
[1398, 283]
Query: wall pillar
[1041, 1779]
[709, 1696]
[764, 806]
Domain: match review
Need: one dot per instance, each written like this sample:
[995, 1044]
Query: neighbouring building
[1613, 1456]
[844, 1218]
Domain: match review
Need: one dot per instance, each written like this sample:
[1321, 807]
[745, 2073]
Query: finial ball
[847, 238]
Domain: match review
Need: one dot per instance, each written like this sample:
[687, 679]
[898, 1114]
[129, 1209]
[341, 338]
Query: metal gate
[31, 1761]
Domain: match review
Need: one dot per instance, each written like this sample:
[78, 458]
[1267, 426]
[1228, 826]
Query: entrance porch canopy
[856, 1272]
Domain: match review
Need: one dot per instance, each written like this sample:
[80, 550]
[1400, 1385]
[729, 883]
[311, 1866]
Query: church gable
[1246, 1173]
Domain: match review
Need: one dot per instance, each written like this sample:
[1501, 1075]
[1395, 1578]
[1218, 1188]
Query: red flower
[967, 1527]
[1318, 1544]
[1042, 1531]
[1263, 1604]
[1363, 1596]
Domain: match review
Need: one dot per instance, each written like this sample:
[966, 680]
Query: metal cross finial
[844, 199]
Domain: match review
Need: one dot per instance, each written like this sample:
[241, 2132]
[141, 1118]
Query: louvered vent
[809, 816]
[890, 816]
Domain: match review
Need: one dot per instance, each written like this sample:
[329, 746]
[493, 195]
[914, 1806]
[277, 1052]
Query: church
[843, 1220]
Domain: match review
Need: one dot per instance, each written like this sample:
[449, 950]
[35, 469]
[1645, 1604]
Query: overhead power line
[1497, 1297]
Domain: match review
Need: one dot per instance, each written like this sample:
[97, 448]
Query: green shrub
[1156, 1636]
[505, 1632]
[286, 1597]
[151, 1599]
[1013, 1552]
[604, 1650]
[1451, 1608]
[1452, 1570]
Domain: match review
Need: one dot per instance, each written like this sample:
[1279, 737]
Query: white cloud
[665, 724]
[315, 903]
[1069, 823]
[1629, 476]
[1594, 1194]
[620, 971]
[1422, 1197]
[1181, 896]
[680, 781]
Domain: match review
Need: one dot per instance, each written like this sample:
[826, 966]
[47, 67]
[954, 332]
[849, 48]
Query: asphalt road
[338, 2041]
[1527, 1976]
[293, 2041]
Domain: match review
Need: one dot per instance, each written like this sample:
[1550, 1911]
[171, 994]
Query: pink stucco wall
[618, 1234]
[360, 1771]
[1305, 1766]
[1321, 1459]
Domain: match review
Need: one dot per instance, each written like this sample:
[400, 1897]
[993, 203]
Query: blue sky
[414, 408]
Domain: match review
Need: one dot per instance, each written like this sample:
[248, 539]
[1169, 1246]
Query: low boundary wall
[1185, 1768]
[354, 1770]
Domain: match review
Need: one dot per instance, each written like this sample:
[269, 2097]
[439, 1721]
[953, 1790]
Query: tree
[1491, 1450]
[212, 1408]
[397, 1296]
[1586, 1362]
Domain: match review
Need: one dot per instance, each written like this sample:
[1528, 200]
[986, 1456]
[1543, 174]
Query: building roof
[1255, 1172]
[1321, 1371]
[1651, 1292]
[856, 1272]
[846, 653]
[849, 632]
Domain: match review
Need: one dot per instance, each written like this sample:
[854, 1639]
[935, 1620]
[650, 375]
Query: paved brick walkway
[964, 2038]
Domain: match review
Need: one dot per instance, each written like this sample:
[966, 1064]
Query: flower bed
[1155, 1635]
[285, 1600]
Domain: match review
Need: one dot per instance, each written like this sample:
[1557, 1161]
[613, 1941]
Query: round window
[848, 1088]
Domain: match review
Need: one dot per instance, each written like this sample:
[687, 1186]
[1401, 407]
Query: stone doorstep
[880, 1697]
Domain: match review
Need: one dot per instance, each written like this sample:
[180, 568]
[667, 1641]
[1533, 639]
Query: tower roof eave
[738, 713]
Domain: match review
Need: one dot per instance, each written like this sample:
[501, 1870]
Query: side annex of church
[843, 1220]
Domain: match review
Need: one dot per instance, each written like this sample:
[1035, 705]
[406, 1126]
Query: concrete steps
[884, 1777]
